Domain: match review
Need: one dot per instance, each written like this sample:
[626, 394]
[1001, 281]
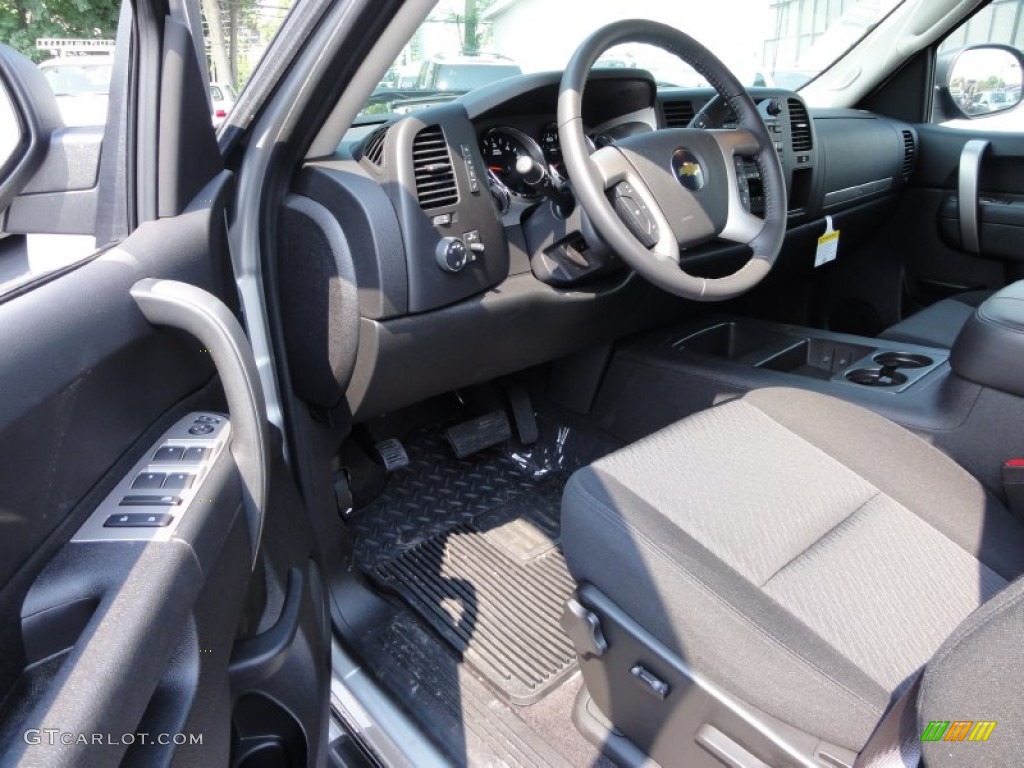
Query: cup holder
[902, 360]
[876, 377]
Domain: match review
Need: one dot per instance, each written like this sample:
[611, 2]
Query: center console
[843, 361]
[970, 409]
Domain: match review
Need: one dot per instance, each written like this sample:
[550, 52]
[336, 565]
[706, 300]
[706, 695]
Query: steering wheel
[652, 194]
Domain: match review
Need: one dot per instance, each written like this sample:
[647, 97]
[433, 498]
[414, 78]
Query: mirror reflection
[985, 80]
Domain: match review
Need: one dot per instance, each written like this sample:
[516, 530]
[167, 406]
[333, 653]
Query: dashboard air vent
[432, 165]
[373, 148]
[799, 126]
[909, 152]
[678, 114]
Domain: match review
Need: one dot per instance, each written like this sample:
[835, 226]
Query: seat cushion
[805, 554]
[937, 325]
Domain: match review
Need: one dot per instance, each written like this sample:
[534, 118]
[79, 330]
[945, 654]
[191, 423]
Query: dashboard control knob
[773, 107]
[451, 254]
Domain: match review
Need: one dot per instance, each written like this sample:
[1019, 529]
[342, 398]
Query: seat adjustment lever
[583, 628]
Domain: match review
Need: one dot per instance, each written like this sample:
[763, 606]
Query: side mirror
[28, 115]
[49, 173]
[979, 80]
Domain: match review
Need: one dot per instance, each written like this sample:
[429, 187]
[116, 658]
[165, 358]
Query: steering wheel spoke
[741, 226]
[635, 204]
[735, 141]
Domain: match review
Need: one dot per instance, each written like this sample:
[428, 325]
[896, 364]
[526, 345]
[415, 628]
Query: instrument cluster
[519, 164]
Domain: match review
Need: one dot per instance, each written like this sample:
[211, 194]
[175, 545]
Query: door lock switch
[137, 500]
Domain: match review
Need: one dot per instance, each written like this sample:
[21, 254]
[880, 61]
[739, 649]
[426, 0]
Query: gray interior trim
[390, 44]
[276, 124]
[788, 743]
[967, 187]
[857, 191]
[363, 708]
[200, 313]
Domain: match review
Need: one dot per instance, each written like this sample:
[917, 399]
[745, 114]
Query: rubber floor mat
[472, 545]
[463, 715]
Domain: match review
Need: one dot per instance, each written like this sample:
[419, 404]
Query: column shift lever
[537, 176]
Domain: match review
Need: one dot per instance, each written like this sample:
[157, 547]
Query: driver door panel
[129, 652]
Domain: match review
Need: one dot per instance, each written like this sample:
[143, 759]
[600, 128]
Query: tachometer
[502, 149]
[552, 147]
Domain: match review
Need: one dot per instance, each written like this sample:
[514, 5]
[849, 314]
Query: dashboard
[459, 226]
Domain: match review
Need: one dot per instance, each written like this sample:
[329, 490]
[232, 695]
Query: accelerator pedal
[522, 413]
[476, 434]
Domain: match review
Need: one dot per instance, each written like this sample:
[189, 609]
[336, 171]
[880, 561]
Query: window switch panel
[151, 499]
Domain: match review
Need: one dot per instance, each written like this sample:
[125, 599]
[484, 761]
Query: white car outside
[81, 85]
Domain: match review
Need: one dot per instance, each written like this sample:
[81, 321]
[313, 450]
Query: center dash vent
[909, 152]
[432, 166]
[799, 126]
[678, 114]
[373, 148]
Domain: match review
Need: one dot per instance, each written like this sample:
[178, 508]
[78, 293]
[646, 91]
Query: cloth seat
[805, 554]
[937, 325]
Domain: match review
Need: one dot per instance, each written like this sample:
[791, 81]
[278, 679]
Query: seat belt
[896, 742]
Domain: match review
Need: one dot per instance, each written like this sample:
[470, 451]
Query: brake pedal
[476, 434]
[392, 454]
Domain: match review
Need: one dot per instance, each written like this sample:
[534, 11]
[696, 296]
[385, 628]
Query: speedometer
[502, 148]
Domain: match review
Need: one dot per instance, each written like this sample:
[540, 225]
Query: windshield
[465, 44]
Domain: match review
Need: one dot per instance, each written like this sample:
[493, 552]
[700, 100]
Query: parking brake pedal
[392, 454]
[476, 434]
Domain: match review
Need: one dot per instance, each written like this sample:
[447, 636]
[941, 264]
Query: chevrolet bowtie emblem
[688, 169]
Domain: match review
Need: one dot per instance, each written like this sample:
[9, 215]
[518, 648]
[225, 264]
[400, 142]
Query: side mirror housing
[49, 173]
[978, 81]
[28, 116]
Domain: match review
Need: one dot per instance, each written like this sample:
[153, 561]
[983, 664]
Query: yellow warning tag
[828, 244]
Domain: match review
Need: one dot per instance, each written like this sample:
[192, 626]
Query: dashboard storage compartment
[816, 358]
[744, 342]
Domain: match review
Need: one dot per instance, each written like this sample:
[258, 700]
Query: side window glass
[980, 69]
[236, 34]
[79, 72]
